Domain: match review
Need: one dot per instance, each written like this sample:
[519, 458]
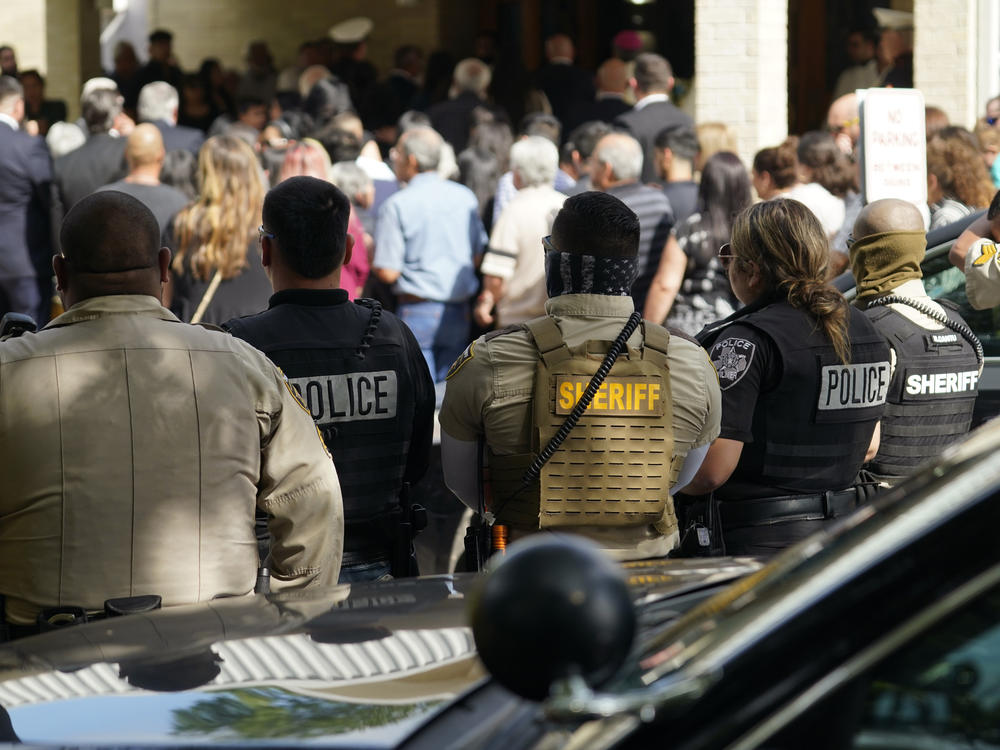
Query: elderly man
[512, 390]
[513, 269]
[453, 118]
[936, 360]
[615, 167]
[158, 104]
[149, 443]
[428, 241]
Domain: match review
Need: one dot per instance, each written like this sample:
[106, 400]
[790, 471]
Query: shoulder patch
[732, 358]
[987, 250]
[464, 357]
[295, 393]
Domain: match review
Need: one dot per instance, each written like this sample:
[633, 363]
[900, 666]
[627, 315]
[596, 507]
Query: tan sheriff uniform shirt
[135, 449]
[489, 396]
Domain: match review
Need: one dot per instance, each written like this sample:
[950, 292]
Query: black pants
[767, 540]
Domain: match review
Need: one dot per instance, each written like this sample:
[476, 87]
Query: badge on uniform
[732, 359]
[462, 359]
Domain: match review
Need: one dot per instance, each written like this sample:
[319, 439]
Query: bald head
[842, 117]
[888, 215]
[612, 76]
[559, 46]
[110, 245]
[144, 146]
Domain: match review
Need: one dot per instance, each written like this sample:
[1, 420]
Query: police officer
[509, 396]
[936, 359]
[358, 369]
[804, 382]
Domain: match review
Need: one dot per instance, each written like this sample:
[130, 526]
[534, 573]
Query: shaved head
[109, 232]
[612, 76]
[888, 215]
[144, 146]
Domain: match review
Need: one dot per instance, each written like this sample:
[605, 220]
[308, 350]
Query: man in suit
[652, 81]
[563, 83]
[609, 103]
[101, 159]
[25, 231]
[158, 103]
[453, 118]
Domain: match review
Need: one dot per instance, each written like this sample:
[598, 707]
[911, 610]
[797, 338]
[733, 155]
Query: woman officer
[804, 380]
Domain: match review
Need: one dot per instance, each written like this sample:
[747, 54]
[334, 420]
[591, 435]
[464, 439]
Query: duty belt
[760, 512]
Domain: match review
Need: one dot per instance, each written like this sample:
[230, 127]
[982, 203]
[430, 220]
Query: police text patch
[857, 386]
[732, 359]
[349, 398]
[630, 396]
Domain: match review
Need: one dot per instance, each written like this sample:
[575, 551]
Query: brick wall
[741, 69]
[945, 57]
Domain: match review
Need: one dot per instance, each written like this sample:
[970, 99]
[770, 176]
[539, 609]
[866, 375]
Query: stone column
[741, 69]
[946, 55]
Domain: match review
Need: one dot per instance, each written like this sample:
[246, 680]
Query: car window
[942, 689]
[945, 282]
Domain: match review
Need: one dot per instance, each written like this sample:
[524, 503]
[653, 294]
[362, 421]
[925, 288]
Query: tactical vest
[615, 468]
[931, 396]
[812, 430]
[359, 394]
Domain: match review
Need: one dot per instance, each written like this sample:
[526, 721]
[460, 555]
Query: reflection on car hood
[358, 665]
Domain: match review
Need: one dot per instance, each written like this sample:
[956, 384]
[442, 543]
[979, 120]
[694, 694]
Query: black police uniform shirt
[368, 389]
[838, 413]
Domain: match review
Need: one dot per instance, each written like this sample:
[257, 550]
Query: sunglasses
[726, 256]
[262, 233]
[992, 120]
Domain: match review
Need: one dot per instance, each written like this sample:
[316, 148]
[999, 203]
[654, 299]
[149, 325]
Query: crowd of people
[282, 196]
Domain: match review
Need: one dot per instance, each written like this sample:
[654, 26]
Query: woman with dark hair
[825, 177]
[804, 379]
[216, 271]
[776, 169]
[213, 79]
[957, 180]
[690, 288]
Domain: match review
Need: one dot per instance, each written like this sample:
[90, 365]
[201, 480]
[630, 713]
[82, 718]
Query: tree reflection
[266, 713]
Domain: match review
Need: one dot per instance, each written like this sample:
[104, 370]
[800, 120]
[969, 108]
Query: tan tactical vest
[614, 468]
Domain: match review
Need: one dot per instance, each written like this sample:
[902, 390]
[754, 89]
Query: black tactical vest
[931, 396]
[811, 431]
[353, 378]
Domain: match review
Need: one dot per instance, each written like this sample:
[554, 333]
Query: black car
[944, 281]
[882, 631]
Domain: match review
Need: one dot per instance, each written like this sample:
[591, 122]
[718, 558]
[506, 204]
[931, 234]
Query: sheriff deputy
[646, 430]
[936, 359]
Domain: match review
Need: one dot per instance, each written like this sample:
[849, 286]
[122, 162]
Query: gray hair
[423, 144]
[472, 74]
[622, 153]
[350, 178]
[99, 109]
[535, 159]
[158, 101]
[64, 137]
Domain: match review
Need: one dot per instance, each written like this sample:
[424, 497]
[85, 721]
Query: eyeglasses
[547, 244]
[992, 120]
[262, 233]
[726, 256]
[850, 241]
[845, 125]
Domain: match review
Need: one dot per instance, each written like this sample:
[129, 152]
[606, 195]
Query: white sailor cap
[352, 31]
[982, 274]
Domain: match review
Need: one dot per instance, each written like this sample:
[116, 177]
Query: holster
[404, 523]
[701, 529]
